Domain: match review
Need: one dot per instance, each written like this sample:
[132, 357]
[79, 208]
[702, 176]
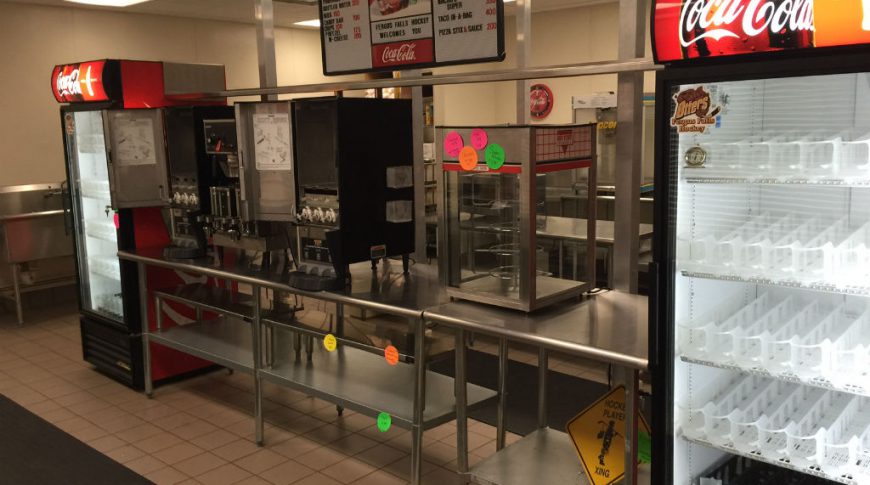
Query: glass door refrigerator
[761, 305]
[115, 153]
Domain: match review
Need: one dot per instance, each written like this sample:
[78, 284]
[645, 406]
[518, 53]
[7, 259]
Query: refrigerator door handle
[66, 206]
[654, 324]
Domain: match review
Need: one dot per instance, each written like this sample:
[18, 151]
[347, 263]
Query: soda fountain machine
[116, 165]
[354, 186]
[201, 144]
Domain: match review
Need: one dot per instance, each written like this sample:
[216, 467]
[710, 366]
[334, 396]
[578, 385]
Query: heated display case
[498, 242]
[762, 232]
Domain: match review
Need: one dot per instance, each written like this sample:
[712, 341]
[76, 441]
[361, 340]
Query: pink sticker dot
[453, 144]
[479, 139]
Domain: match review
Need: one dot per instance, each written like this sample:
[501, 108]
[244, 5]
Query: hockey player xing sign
[390, 35]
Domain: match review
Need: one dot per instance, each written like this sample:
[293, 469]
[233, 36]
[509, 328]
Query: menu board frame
[499, 33]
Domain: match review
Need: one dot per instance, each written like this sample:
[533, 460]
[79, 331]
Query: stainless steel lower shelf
[545, 457]
[225, 341]
[366, 383]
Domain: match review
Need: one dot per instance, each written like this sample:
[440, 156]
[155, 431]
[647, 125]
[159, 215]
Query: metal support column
[461, 405]
[264, 14]
[629, 147]
[543, 364]
[256, 345]
[146, 348]
[419, 400]
[500, 430]
[523, 11]
[418, 126]
[16, 289]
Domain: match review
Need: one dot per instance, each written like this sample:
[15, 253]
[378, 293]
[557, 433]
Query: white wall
[34, 38]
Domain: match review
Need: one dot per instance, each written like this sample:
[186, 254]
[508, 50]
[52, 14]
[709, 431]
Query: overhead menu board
[388, 35]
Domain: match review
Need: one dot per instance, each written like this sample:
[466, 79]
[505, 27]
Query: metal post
[629, 149]
[631, 415]
[500, 430]
[16, 287]
[419, 400]
[461, 405]
[418, 127]
[146, 347]
[158, 314]
[543, 363]
[258, 385]
[265, 16]
[523, 11]
[339, 320]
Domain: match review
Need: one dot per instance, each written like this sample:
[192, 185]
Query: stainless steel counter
[610, 327]
[362, 386]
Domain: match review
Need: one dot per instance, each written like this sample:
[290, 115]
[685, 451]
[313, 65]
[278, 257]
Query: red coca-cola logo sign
[79, 82]
[403, 53]
[688, 29]
[540, 101]
[718, 19]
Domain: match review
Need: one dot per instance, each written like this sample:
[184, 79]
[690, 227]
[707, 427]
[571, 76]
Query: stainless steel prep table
[350, 377]
[610, 327]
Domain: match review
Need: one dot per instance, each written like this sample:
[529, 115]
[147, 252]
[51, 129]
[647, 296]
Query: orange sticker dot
[468, 158]
[391, 354]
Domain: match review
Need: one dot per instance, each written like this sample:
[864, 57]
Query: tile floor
[201, 431]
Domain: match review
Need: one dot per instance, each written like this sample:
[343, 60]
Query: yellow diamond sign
[598, 434]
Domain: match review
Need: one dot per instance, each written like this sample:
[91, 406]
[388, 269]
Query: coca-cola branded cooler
[761, 302]
[115, 152]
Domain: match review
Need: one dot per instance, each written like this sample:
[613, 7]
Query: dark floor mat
[35, 452]
[567, 395]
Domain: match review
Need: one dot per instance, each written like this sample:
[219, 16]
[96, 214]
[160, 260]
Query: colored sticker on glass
[384, 422]
[468, 158]
[644, 447]
[494, 156]
[391, 354]
[330, 342]
[453, 144]
[479, 139]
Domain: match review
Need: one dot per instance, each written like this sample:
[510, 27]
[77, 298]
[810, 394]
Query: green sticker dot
[644, 447]
[384, 422]
[494, 156]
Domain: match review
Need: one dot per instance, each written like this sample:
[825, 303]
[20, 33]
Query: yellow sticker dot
[330, 342]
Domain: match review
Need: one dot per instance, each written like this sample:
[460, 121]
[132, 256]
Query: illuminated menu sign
[692, 29]
[387, 35]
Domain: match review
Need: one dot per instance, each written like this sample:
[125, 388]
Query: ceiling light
[309, 23]
[109, 3]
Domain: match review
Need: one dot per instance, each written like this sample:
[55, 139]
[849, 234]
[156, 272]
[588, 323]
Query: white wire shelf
[101, 230]
[794, 339]
[105, 266]
[814, 431]
[95, 189]
[783, 158]
[781, 249]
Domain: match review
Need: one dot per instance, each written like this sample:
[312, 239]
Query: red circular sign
[540, 101]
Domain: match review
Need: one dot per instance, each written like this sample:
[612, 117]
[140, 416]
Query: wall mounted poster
[388, 35]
